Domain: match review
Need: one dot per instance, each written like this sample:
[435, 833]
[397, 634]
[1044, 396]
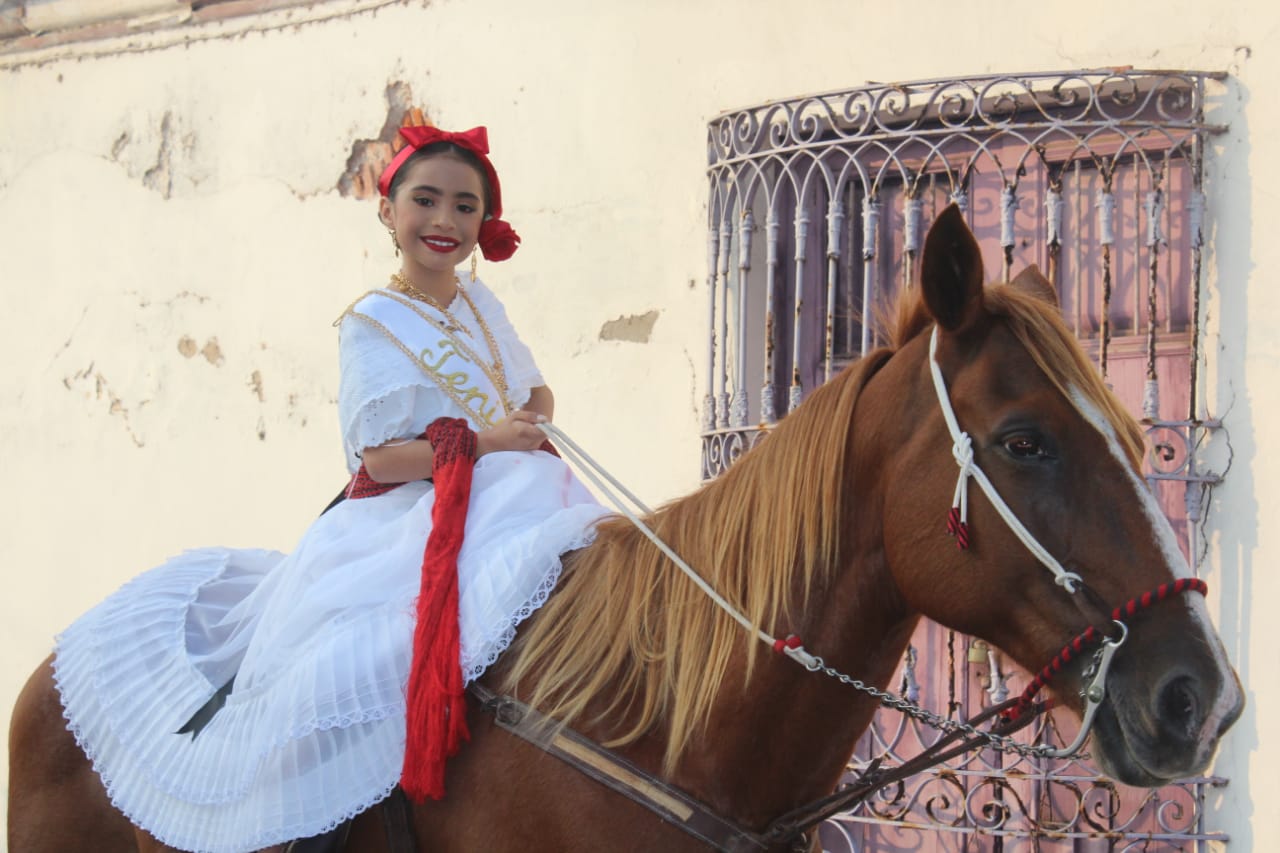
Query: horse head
[1065, 458]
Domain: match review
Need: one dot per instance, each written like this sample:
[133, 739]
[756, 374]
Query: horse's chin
[1128, 753]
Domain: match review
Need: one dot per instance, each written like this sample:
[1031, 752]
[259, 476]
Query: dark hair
[447, 149]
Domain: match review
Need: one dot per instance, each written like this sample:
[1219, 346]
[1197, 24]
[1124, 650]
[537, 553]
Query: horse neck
[785, 739]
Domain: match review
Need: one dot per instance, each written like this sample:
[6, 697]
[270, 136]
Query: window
[818, 209]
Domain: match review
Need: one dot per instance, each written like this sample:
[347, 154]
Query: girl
[234, 699]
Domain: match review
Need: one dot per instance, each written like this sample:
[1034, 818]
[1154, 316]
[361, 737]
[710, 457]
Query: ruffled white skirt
[319, 643]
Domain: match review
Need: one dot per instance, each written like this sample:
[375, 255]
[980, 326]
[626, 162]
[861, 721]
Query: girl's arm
[542, 401]
[404, 461]
[399, 461]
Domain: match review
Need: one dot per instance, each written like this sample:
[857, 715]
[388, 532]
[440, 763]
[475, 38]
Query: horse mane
[627, 637]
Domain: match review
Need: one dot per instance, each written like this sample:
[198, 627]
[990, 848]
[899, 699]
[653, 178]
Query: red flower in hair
[498, 240]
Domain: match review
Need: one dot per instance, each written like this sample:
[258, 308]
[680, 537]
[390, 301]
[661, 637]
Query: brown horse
[832, 529]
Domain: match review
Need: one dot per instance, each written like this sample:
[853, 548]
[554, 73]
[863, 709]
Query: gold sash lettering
[457, 380]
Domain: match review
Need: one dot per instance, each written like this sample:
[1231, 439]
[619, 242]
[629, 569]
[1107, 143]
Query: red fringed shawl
[436, 705]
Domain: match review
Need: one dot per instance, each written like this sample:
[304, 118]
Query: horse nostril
[1178, 706]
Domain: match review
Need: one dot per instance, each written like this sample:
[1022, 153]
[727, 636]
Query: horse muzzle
[1150, 737]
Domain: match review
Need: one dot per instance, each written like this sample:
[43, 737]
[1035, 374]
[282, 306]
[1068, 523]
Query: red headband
[498, 241]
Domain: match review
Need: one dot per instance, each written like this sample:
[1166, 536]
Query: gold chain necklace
[496, 371]
[403, 285]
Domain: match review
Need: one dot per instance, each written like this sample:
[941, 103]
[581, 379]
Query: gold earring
[395, 241]
[473, 262]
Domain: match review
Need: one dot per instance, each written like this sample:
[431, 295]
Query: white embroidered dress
[319, 641]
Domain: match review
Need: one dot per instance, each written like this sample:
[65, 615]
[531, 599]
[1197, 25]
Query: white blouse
[384, 395]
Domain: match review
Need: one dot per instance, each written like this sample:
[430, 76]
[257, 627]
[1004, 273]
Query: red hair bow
[476, 139]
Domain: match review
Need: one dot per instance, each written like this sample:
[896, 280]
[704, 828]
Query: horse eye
[1023, 446]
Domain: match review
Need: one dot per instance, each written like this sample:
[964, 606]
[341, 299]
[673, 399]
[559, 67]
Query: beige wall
[170, 230]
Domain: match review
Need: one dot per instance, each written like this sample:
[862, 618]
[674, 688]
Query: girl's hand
[517, 431]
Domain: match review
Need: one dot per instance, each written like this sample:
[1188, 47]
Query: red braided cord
[1091, 635]
[791, 641]
[957, 528]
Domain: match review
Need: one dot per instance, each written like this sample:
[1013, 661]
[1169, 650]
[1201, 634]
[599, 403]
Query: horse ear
[1033, 283]
[951, 273]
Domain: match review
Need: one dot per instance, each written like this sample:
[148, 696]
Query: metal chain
[891, 700]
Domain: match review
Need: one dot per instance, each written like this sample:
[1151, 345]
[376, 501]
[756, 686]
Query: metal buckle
[508, 713]
[1093, 689]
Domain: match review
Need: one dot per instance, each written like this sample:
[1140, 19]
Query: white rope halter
[962, 450]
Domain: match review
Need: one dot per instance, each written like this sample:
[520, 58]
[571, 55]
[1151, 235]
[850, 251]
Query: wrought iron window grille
[817, 208]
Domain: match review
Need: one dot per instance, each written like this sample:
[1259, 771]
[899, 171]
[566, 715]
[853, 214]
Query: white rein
[595, 472]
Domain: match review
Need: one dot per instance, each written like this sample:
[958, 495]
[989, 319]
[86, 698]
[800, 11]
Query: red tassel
[436, 719]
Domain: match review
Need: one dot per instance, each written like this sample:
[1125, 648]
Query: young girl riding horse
[309, 654]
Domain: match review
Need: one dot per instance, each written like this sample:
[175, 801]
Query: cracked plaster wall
[176, 237]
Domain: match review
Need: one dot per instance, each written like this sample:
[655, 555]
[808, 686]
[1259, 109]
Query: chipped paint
[636, 328]
[370, 156]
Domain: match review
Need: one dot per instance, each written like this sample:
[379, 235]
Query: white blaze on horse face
[1165, 538]
[1229, 696]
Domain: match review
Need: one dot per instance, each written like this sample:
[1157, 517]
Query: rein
[958, 737]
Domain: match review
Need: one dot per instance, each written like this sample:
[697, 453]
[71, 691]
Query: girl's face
[436, 213]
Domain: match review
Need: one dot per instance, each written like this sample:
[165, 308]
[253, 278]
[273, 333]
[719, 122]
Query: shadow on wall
[1233, 450]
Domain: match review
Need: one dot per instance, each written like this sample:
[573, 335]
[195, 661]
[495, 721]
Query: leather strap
[396, 823]
[615, 772]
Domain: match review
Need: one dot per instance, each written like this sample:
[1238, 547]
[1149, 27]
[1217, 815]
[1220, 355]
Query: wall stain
[117, 147]
[255, 385]
[160, 176]
[293, 410]
[145, 302]
[211, 350]
[635, 328]
[100, 390]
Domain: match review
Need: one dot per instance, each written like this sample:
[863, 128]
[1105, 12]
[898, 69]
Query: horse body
[832, 530]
